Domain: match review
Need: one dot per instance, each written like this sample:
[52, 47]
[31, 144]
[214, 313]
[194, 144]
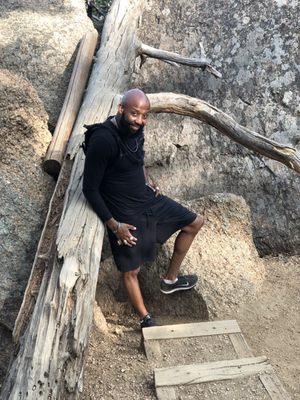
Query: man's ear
[120, 109]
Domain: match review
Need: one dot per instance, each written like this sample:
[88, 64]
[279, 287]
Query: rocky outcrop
[39, 41]
[223, 256]
[255, 46]
[24, 188]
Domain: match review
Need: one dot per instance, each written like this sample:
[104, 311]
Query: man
[136, 214]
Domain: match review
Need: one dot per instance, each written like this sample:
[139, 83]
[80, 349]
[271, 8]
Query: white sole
[178, 289]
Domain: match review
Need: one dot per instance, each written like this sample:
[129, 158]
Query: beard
[126, 127]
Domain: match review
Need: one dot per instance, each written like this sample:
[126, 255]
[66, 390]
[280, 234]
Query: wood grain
[191, 330]
[208, 372]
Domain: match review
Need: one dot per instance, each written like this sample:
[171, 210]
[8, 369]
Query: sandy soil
[271, 323]
[118, 369]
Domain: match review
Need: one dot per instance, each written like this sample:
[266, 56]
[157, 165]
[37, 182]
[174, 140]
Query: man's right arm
[98, 155]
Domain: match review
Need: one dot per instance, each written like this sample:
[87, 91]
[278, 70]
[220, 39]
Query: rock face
[24, 188]
[223, 256]
[255, 45]
[39, 40]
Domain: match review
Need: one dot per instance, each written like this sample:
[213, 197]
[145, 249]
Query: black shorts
[155, 225]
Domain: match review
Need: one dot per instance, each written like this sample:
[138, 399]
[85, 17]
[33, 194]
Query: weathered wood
[152, 350]
[70, 108]
[274, 386]
[208, 372]
[190, 106]
[45, 253]
[240, 345]
[49, 363]
[171, 57]
[166, 393]
[191, 330]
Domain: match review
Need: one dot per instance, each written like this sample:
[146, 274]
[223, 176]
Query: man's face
[134, 117]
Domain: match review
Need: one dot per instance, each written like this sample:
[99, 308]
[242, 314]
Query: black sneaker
[147, 321]
[184, 282]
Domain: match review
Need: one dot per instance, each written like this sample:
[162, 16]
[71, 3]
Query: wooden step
[167, 379]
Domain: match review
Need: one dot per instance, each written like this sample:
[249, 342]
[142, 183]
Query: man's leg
[182, 245]
[134, 292]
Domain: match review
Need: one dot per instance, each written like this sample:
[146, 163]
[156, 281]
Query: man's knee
[195, 226]
[131, 274]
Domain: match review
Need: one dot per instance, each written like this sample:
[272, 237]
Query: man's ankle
[169, 280]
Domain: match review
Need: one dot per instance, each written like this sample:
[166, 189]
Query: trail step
[170, 379]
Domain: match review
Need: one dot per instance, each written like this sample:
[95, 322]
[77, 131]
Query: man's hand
[155, 188]
[122, 231]
[151, 183]
[125, 236]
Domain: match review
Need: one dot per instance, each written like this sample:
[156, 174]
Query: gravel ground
[118, 369]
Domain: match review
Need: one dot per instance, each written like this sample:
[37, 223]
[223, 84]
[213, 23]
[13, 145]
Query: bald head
[133, 110]
[135, 98]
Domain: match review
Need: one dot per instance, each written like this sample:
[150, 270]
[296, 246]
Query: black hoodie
[114, 181]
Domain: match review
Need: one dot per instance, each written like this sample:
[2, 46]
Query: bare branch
[196, 108]
[174, 57]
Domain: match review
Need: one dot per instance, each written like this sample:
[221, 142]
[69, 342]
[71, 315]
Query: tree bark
[196, 108]
[68, 114]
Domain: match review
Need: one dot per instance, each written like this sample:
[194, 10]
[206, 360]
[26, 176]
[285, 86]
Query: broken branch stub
[196, 108]
[168, 56]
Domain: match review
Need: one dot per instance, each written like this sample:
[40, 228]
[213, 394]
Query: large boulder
[223, 256]
[255, 45]
[24, 188]
[39, 41]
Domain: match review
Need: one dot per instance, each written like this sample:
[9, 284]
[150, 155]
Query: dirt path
[117, 367]
[272, 322]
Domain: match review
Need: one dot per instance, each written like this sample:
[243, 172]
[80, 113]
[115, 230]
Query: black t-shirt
[114, 183]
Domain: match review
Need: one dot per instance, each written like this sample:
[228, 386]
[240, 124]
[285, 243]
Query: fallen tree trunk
[68, 114]
[49, 363]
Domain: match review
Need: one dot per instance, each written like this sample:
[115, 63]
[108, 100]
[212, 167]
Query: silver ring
[119, 242]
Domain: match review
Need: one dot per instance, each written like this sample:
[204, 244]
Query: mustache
[126, 125]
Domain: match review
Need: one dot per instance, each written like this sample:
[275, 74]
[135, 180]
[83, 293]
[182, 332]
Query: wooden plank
[166, 393]
[191, 330]
[152, 350]
[274, 386]
[208, 372]
[240, 345]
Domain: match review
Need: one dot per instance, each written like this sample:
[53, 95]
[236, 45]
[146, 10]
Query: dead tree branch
[196, 108]
[166, 56]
